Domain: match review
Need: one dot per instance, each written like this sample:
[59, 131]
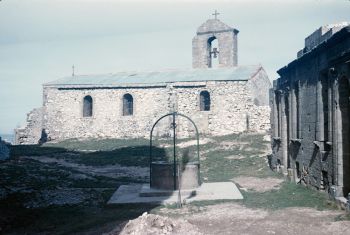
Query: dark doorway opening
[344, 106]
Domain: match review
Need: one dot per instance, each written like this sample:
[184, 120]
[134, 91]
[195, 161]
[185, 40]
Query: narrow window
[87, 106]
[204, 101]
[128, 103]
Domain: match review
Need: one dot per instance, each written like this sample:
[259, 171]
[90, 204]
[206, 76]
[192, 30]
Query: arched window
[204, 98]
[87, 106]
[128, 103]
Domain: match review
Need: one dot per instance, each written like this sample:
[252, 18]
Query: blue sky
[41, 40]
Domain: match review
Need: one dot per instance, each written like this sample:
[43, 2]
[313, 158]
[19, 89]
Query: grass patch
[97, 144]
[288, 195]
[216, 164]
[34, 150]
[343, 217]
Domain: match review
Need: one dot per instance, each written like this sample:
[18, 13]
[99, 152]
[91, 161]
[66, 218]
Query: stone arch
[87, 106]
[128, 105]
[344, 108]
[213, 51]
[204, 99]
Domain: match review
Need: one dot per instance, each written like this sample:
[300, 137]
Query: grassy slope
[221, 160]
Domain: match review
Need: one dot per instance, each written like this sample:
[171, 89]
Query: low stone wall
[32, 132]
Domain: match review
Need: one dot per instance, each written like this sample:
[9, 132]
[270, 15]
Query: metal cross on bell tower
[216, 13]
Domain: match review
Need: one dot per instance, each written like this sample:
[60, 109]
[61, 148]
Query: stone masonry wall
[231, 102]
[227, 46]
[311, 107]
[259, 85]
[32, 131]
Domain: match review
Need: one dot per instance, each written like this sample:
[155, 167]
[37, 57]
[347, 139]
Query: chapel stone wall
[232, 110]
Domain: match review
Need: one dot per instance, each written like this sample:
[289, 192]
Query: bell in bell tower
[215, 45]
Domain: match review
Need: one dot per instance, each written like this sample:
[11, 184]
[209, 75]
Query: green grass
[217, 165]
[343, 217]
[288, 195]
[34, 150]
[97, 144]
[217, 168]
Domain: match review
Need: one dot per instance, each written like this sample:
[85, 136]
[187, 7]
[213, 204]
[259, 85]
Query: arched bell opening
[213, 52]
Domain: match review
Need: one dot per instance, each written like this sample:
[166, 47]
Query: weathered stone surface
[231, 104]
[227, 43]
[321, 35]
[311, 110]
[33, 130]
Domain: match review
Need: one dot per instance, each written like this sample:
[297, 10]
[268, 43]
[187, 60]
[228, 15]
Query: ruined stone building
[311, 111]
[220, 96]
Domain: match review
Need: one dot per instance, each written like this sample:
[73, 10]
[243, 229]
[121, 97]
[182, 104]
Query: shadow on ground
[57, 190]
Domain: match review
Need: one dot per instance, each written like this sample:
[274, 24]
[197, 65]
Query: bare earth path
[236, 219]
[232, 218]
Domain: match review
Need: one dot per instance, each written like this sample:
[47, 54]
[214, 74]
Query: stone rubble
[149, 224]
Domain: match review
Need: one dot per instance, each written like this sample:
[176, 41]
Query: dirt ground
[188, 143]
[232, 218]
[257, 184]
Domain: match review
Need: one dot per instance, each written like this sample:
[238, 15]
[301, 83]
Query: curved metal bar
[197, 137]
[150, 148]
[197, 133]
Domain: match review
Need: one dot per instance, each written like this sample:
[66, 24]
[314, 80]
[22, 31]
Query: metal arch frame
[174, 114]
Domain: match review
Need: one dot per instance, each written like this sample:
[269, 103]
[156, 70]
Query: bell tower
[204, 53]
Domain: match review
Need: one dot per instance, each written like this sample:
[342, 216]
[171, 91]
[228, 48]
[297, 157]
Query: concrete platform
[142, 193]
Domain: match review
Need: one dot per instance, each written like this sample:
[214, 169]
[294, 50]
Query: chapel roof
[239, 73]
[214, 25]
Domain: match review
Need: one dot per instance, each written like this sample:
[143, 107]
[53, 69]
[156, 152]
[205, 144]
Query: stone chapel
[221, 96]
